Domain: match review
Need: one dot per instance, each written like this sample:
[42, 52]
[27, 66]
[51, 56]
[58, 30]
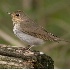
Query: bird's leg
[29, 47]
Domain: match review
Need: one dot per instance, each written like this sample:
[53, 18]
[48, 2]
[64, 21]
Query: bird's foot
[28, 48]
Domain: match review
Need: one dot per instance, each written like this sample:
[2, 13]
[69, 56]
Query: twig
[18, 57]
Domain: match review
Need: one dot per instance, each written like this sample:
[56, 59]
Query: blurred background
[53, 15]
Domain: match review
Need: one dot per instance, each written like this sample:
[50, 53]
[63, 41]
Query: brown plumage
[37, 31]
[24, 25]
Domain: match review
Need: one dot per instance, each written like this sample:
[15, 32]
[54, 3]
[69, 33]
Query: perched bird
[29, 31]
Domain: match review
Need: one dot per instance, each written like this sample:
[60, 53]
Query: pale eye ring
[17, 15]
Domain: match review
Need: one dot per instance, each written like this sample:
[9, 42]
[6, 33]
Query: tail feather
[59, 39]
[56, 39]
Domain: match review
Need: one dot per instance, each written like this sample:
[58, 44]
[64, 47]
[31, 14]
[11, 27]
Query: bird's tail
[52, 37]
[56, 39]
[59, 40]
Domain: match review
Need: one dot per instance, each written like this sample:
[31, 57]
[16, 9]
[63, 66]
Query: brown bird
[29, 31]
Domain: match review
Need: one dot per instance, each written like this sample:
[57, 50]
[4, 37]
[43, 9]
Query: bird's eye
[17, 15]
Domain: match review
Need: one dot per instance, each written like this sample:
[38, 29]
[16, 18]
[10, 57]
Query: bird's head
[17, 16]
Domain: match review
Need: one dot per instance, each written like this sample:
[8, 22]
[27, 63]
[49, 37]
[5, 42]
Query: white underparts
[25, 37]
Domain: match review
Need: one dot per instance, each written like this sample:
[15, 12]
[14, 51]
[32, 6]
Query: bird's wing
[31, 28]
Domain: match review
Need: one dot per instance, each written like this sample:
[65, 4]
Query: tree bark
[20, 58]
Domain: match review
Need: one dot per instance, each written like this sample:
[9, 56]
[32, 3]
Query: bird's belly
[28, 38]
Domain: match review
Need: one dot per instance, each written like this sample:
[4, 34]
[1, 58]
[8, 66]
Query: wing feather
[31, 28]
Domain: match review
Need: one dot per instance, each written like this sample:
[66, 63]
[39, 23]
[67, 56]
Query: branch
[18, 57]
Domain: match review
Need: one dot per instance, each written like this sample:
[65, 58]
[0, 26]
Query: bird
[27, 30]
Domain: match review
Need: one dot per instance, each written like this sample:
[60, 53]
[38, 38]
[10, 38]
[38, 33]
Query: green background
[53, 15]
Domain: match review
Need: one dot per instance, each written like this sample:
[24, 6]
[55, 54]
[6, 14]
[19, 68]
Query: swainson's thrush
[29, 31]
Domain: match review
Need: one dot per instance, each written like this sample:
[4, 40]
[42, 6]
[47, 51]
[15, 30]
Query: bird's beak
[9, 13]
